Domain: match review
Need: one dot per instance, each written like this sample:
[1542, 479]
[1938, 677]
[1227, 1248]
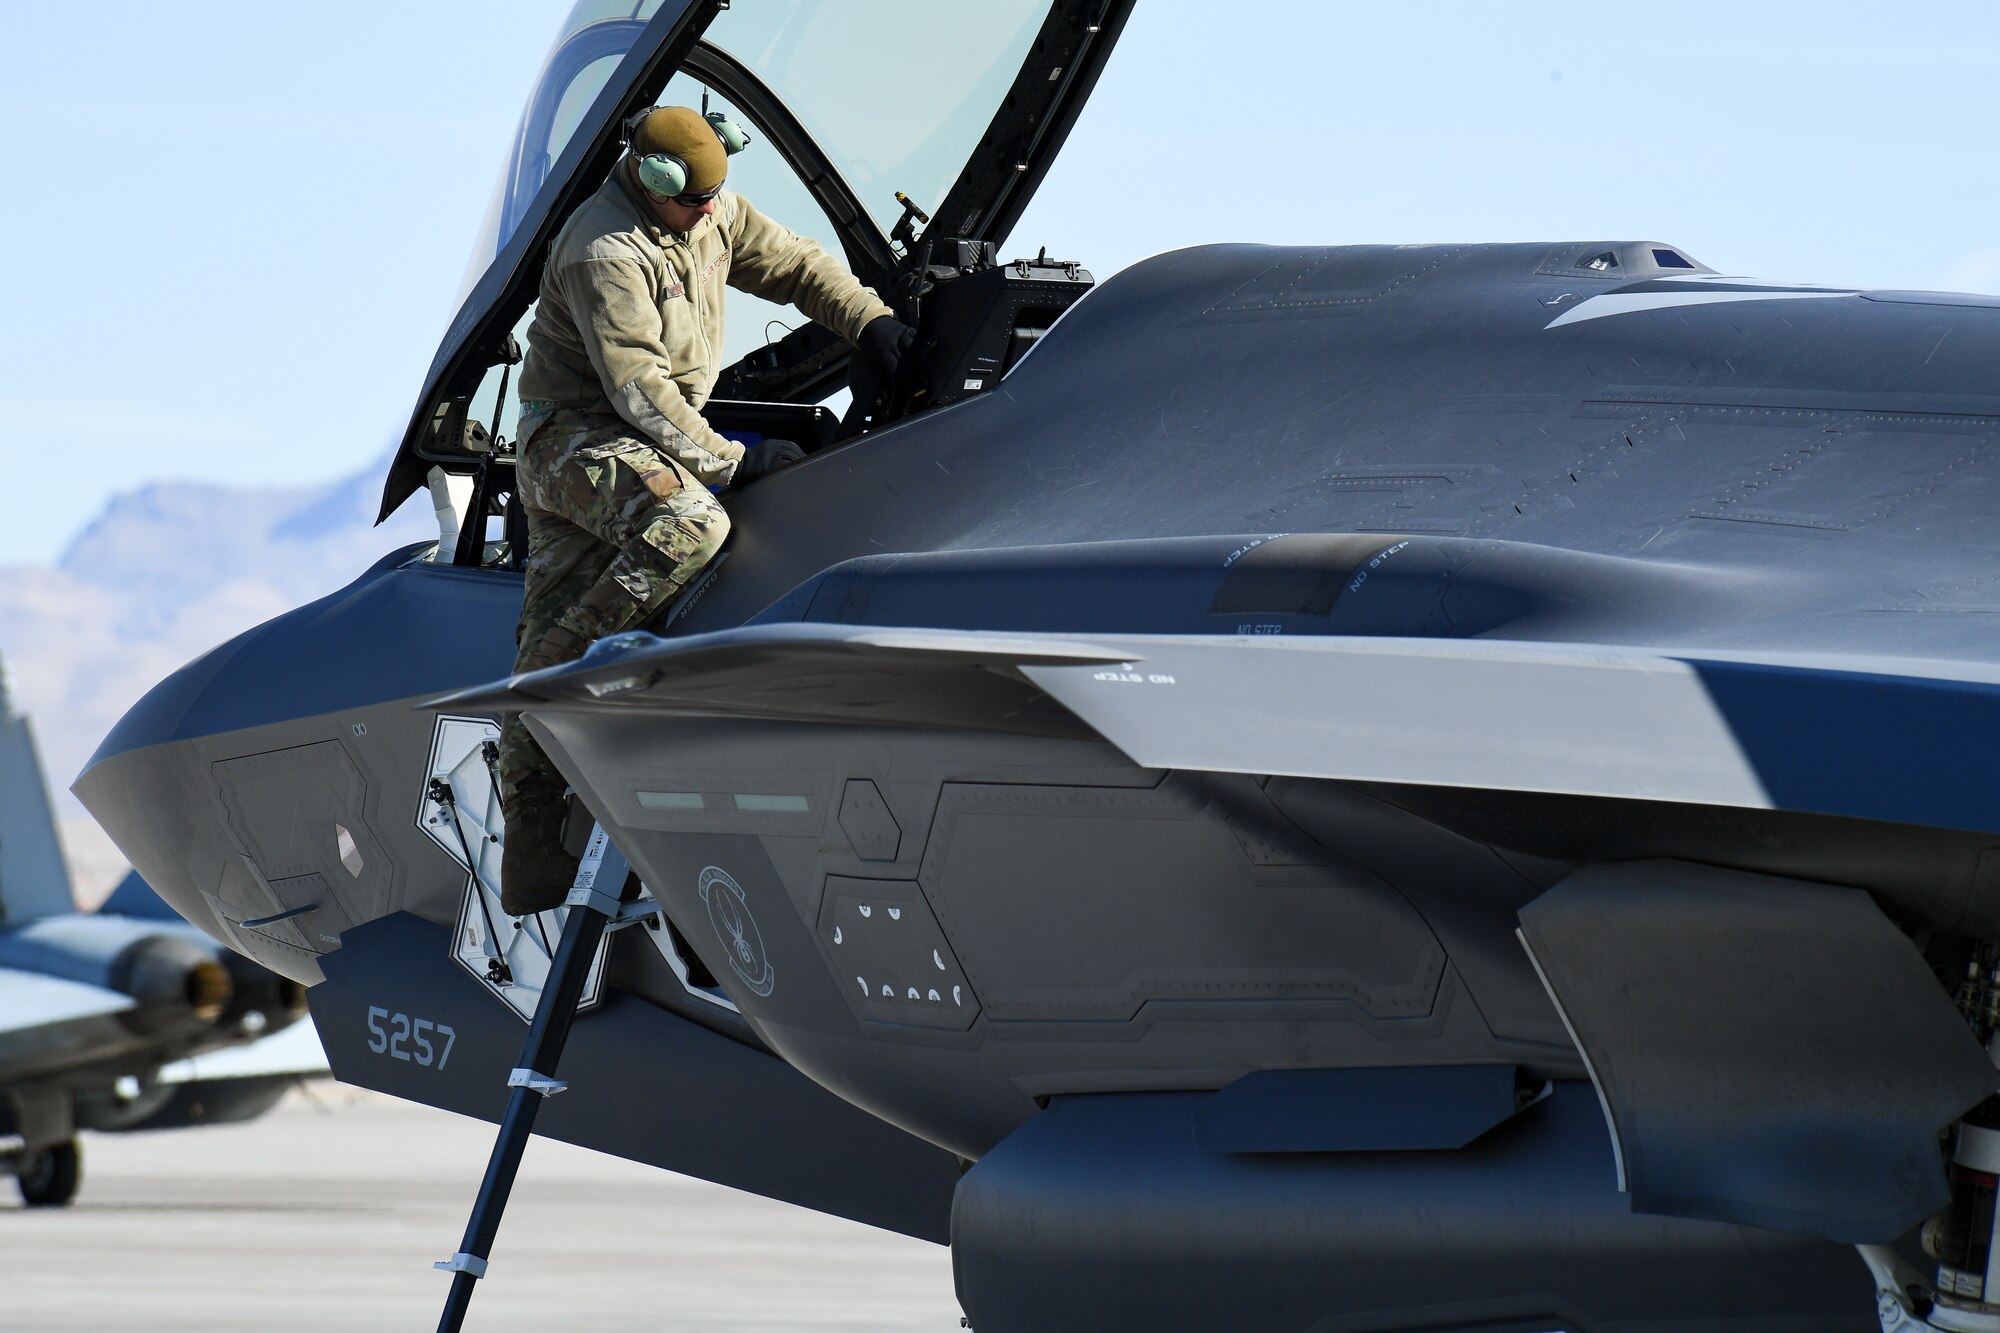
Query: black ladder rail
[594, 904]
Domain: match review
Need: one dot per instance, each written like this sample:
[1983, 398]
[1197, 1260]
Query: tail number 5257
[401, 1037]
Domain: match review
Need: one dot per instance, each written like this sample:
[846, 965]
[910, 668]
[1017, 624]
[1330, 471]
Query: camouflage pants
[615, 529]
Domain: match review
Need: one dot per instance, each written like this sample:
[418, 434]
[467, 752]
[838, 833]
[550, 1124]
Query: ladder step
[591, 910]
[545, 1084]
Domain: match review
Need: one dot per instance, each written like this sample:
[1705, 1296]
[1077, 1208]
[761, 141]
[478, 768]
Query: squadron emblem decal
[729, 913]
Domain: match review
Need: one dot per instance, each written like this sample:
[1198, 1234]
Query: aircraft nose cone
[134, 786]
[171, 710]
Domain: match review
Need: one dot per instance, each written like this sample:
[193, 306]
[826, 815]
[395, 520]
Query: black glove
[887, 340]
[763, 459]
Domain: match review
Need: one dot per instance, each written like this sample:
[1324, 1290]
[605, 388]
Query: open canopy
[958, 110]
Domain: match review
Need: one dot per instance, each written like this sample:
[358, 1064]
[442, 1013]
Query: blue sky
[232, 243]
[233, 234]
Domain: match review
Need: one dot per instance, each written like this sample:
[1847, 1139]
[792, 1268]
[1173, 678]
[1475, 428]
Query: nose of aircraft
[174, 709]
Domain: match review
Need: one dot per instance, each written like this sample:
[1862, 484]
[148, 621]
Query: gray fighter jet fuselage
[1361, 788]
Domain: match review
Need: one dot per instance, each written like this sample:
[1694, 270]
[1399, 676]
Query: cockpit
[904, 138]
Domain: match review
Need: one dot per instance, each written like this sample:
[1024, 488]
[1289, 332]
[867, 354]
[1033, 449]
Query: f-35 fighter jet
[1342, 788]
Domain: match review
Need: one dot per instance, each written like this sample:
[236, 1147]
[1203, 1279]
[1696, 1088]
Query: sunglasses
[696, 200]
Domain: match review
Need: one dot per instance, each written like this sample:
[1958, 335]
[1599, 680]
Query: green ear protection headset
[665, 175]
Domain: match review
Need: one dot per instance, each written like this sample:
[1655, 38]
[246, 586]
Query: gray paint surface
[1081, 1222]
[1168, 701]
[1768, 1052]
[1468, 521]
[1539, 582]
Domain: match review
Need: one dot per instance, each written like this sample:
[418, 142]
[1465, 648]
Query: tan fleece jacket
[630, 315]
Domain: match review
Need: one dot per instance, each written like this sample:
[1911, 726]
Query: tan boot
[535, 872]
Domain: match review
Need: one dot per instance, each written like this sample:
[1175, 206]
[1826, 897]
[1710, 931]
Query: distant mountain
[163, 574]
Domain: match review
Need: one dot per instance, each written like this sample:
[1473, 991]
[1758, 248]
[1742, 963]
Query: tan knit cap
[681, 132]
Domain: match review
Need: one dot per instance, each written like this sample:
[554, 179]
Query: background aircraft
[125, 1018]
[1402, 788]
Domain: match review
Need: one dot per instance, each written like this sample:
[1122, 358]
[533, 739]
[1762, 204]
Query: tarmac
[327, 1213]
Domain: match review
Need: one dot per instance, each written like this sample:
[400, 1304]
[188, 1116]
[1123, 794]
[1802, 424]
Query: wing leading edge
[1879, 739]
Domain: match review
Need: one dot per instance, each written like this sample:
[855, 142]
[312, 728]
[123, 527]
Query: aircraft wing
[807, 672]
[293, 1052]
[30, 1000]
[45, 1018]
[1877, 738]
[1893, 740]
[236, 1083]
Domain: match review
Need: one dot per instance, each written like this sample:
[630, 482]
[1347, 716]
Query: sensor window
[350, 855]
